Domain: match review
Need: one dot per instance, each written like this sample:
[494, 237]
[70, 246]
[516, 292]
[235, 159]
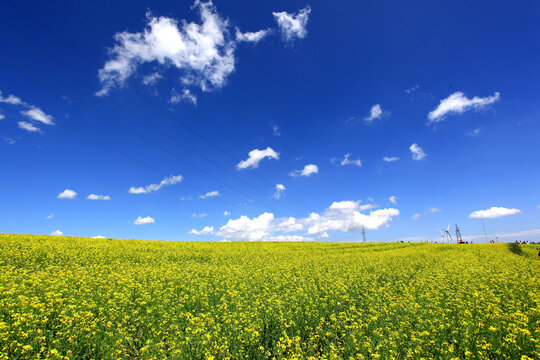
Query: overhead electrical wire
[147, 122]
[124, 84]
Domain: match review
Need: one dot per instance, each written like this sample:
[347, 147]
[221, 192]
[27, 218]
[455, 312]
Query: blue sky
[257, 105]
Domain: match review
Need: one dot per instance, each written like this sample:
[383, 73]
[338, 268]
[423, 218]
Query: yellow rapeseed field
[80, 298]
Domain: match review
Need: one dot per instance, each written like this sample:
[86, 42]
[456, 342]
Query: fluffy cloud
[144, 220]
[226, 213]
[346, 216]
[98, 197]
[390, 158]
[293, 26]
[253, 37]
[203, 53]
[246, 229]
[458, 103]
[347, 161]
[255, 156]
[49, 217]
[493, 212]
[416, 216]
[417, 152]
[98, 237]
[205, 231]
[341, 216]
[393, 199]
[376, 112]
[57, 233]
[170, 180]
[25, 125]
[280, 189]
[210, 194]
[308, 170]
[67, 194]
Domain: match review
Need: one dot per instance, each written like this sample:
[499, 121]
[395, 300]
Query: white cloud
[340, 216]
[194, 215]
[12, 99]
[308, 170]
[393, 199]
[37, 114]
[32, 112]
[205, 231]
[210, 194]
[280, 189]
[144, 220]
[458, 103]
[493, 212]
[9, 140]
[226, 213]
[289, 238]
[186, 198]
[49, 217]
[170, 180]
[417, 152]
[98, 197]
[246, 229]
[255, 156]
[203, 53]
[186, 96]
[253, 37]
[347, 161]
[290, 224]
[376, 112]
[98, 237]
[390, 158]
[25, 125]
[416, 216]
[67, 194]
[57, 233]
[2, 116]
[293, 26]
[346, 216]
[473, 133]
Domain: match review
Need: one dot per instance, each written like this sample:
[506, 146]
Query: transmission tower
[364, 234]
[458, 235]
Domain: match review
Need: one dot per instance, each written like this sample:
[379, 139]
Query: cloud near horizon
[342, 216]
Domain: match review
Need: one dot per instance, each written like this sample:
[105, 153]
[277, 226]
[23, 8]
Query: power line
[126, 155]
[134, 114]
[147, 99]
[61, 90]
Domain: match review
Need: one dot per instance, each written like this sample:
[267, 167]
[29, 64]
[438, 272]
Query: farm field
[81, 298]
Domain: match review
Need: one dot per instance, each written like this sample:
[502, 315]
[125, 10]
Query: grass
[80, 298]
